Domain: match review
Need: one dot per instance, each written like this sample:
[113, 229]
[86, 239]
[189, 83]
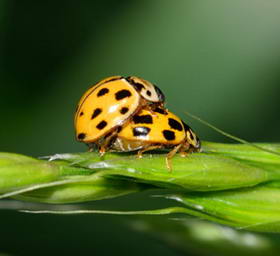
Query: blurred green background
[217, 59]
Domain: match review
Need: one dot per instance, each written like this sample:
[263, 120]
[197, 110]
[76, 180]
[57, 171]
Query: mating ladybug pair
[127, 114]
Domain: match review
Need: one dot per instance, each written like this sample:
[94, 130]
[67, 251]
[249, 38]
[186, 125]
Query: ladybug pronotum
[109, 104]
[156, 129]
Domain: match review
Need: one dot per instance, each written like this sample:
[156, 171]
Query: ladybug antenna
[230, 135]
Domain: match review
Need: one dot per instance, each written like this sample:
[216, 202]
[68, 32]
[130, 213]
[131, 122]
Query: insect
[109, 104]
[156, 129]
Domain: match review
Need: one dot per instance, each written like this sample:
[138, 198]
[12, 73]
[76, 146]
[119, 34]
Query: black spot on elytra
[161, 111]
[124, 110]
[174, 124]
[141, 131]
[102, 92]
[96, 112]
[82, 113]
[148, 93]
[81, 136]
[144, 119]
[101, 125]
[168, 135]
[119, 129]
[122, 94]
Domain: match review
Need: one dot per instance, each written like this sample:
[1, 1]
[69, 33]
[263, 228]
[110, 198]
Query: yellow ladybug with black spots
[109, 104]
[156, 129]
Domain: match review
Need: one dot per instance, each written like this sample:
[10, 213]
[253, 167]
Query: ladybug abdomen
[123, 145]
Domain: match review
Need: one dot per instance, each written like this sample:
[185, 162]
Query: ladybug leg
[107, 142]
[102, 151]
[170, 155]
[183, 153]
[90, 147]
[147, 148]
[152, 108]
[184, 150]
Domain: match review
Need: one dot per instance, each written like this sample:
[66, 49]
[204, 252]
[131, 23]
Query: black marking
[174, 124]
[138, 86]
[141, 131]
[168, 135]
[101, 125]
[96, 112]
[122, 94]
[81, 136]
[102, 92]
[82, 113]
[124, 110]
[161, 111]
[144, 119]
[186, 127]
[119, 129]
[191, 135]
[160, 94]
[111, 141]
[108, 135]
[149, 93]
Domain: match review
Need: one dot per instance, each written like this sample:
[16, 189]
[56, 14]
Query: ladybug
[156, 129]
[109, 104]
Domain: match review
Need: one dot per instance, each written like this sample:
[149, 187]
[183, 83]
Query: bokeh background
[217, 59]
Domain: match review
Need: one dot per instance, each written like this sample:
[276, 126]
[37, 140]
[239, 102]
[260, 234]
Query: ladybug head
[147, 90]
[192, 139]
[160, 94]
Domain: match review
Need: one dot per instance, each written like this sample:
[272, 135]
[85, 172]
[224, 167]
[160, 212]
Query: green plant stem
[232, 184]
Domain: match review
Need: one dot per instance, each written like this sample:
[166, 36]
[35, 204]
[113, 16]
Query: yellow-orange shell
[159, 126]
[103, 107]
